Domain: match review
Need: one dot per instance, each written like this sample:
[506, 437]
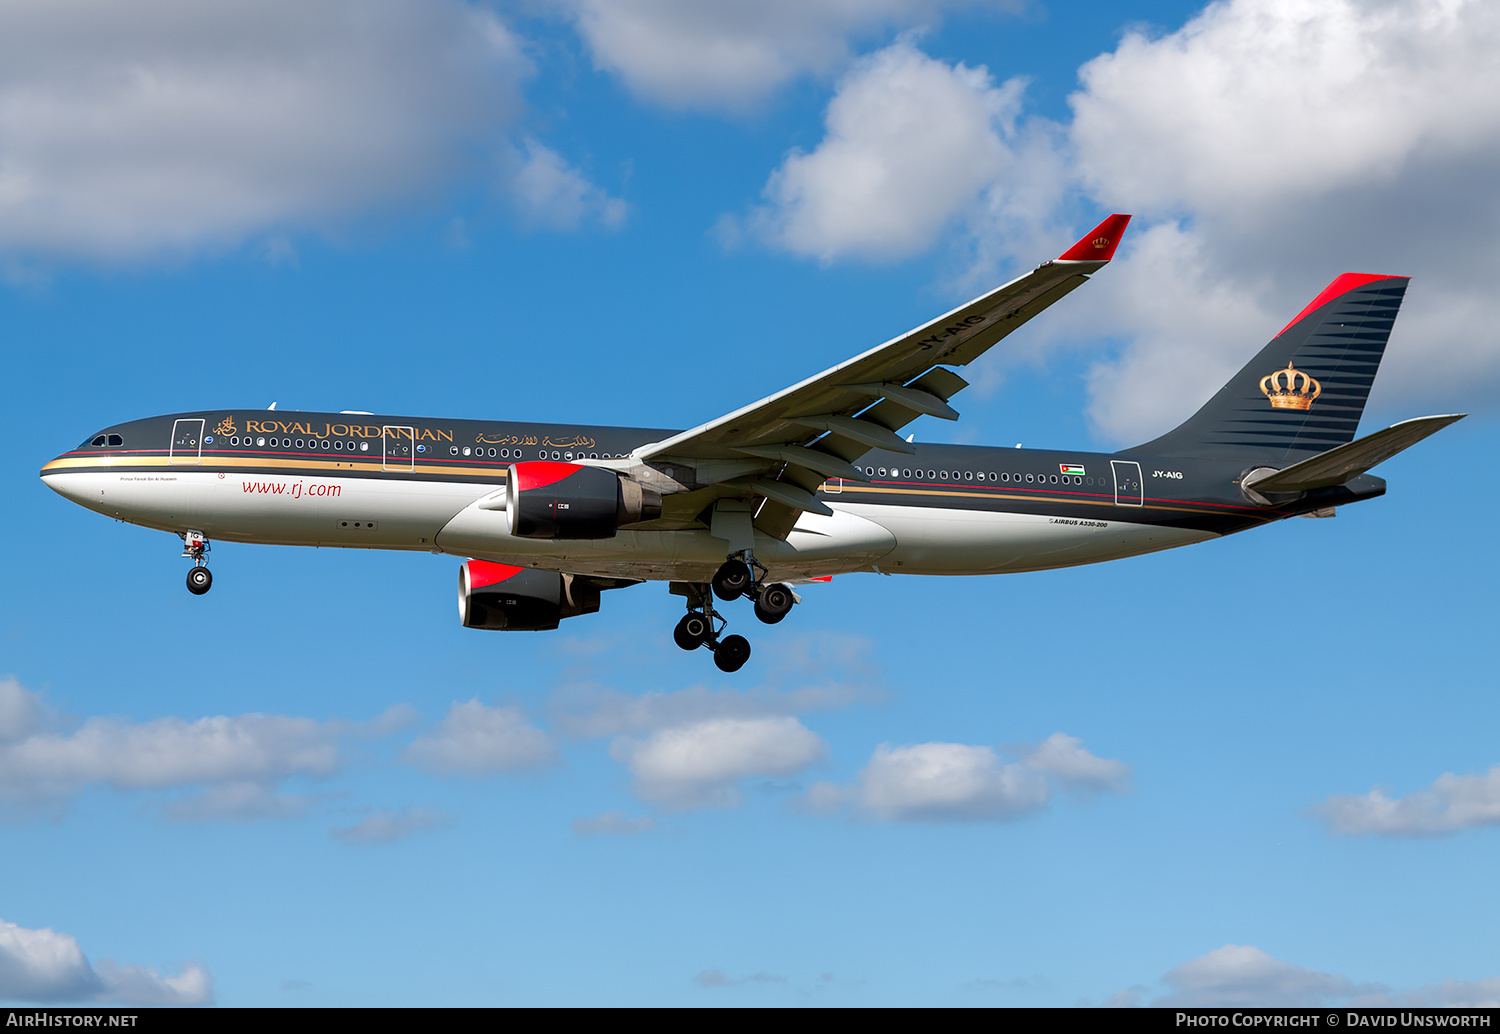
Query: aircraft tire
[732, 653]
[691, 632]
[199, 581]
[774, 603]
[731, 580]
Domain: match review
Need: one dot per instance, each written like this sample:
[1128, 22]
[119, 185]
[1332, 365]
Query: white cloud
[613, 824]
[1064, 759]
[551, 193]
[21, 712]
[388, 825]
[1451, 803]
[1265, 147]
[474, 739]
[937, 782]
[221, 767]
[47, 966]
[38, 765]
[1243, 975]
[730, 54]
[145, 985]
[169, 125]
[910, 143]
[1257, 101]
[701, 764]
[1277, 143]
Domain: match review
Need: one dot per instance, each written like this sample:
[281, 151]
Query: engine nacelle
[520, 599]
[548, 500]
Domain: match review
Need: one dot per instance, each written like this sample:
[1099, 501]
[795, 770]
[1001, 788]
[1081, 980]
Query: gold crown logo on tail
[1290, 389]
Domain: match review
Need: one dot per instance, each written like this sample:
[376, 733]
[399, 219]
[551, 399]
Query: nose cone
[82, 486]
[70, 485]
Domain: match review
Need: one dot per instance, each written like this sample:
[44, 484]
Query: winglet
[1098, 245]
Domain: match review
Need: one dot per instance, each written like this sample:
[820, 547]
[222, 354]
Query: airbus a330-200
[810, 482]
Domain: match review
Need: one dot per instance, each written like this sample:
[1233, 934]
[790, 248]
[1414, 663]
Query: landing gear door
[400, 451]
[187, 442]
[1129, 490]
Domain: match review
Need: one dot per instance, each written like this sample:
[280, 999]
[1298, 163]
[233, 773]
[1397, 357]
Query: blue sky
[1259, 770]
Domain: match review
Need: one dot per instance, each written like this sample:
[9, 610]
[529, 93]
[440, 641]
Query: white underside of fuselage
[444, 517]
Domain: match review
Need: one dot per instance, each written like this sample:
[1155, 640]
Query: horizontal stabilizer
[1346, 462]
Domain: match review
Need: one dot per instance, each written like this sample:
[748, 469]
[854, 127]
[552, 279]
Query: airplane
[811, 482]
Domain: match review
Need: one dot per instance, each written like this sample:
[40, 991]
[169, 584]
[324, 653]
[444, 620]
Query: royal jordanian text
[423, 434]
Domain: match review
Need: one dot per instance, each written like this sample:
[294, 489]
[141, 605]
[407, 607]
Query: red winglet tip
[1099, 244]
[1342, 284]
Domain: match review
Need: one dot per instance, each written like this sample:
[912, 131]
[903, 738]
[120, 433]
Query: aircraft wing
[812, 430]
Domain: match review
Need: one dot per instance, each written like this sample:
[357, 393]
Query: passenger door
[1129, 489]
[187, 442]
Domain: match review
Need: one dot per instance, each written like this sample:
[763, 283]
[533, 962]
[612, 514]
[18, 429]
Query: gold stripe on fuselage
[331, 468]
[1001, 494]
[335, 468]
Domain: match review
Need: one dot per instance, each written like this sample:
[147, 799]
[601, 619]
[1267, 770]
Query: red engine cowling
[520, 599]
[549, 500]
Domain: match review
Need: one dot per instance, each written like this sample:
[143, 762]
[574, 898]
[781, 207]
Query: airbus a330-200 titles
[810, 482]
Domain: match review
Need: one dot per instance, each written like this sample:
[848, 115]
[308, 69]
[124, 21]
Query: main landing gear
[195, 548]
[739, 576]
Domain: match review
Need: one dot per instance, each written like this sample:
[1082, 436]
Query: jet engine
[521, 599]
[547, 500]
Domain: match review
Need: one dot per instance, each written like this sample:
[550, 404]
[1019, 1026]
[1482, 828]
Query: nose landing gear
[195, 548]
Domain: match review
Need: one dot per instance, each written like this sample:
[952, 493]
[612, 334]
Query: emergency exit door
[400, 447]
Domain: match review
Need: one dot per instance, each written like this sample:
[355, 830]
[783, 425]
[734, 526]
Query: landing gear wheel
[692, 631]
[731, 581]
[732, 653]
[199, 581]
[774, 603]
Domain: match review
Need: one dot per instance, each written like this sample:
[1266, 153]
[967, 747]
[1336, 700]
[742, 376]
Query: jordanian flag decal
[1070, 468]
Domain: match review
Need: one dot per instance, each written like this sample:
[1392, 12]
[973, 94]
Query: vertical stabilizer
[1304, 393]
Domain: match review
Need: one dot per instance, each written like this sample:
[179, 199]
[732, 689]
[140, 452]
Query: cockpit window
[98, 441]
[115, 439]
[106, 440]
